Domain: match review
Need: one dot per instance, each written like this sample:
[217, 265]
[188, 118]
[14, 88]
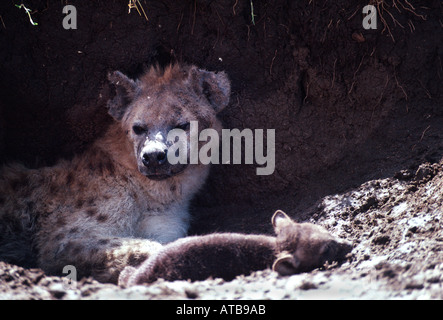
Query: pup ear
[286, 265]
[279, 218]
[214, 86]
[125, 90]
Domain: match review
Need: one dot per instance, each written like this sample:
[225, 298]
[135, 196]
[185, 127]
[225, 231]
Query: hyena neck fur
[161, 208]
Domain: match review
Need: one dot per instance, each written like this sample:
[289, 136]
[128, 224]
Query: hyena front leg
[103, 258]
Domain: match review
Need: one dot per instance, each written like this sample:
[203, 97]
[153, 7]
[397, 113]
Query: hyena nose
[156, 158]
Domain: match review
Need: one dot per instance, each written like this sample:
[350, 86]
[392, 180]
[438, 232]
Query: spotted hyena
[297, 247]
[118, 202]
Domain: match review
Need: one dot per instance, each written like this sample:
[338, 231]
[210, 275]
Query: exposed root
[355, 74]
[424, 88]
[411, 26]
[384, 9]
[28, 12]
[233, 7]
[409, 8]
[180, 22]
[272, 62]
[333, 74]
[3, 23]
[193, 18]
[252, 13]
[380, 98]
[401, 87]
[135, 4]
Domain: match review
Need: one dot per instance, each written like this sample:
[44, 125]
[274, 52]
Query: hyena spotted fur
[116, 204]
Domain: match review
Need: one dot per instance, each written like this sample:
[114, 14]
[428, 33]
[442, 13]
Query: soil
[358, 118]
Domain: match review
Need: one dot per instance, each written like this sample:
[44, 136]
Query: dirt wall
[339, 96]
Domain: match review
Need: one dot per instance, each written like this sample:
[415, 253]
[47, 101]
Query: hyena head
[304, 246]
[163, 100]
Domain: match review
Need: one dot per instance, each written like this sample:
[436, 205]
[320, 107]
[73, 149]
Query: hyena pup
[119, 201]
[298, 247]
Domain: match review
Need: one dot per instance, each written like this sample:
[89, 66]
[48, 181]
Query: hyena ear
[125, 90]
[215, 86]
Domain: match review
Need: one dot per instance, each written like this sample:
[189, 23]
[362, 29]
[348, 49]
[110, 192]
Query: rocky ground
[358, 116]
[394, 223]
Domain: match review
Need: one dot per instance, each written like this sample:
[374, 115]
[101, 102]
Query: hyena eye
[184, 126]
[138, 130]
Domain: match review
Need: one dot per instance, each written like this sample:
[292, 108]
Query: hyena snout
[155, 158]
[154, 152]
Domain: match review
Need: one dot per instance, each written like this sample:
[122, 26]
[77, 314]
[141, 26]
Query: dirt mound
[395, 225]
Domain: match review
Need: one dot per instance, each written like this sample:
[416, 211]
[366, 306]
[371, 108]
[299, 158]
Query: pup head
[163, 100]
[304, 246]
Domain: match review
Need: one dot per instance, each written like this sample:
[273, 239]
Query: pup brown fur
[298, 247]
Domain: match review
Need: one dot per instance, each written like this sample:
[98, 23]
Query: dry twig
[135, 4]
[28, 12]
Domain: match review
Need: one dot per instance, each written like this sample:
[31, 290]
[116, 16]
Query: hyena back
[119, 201]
